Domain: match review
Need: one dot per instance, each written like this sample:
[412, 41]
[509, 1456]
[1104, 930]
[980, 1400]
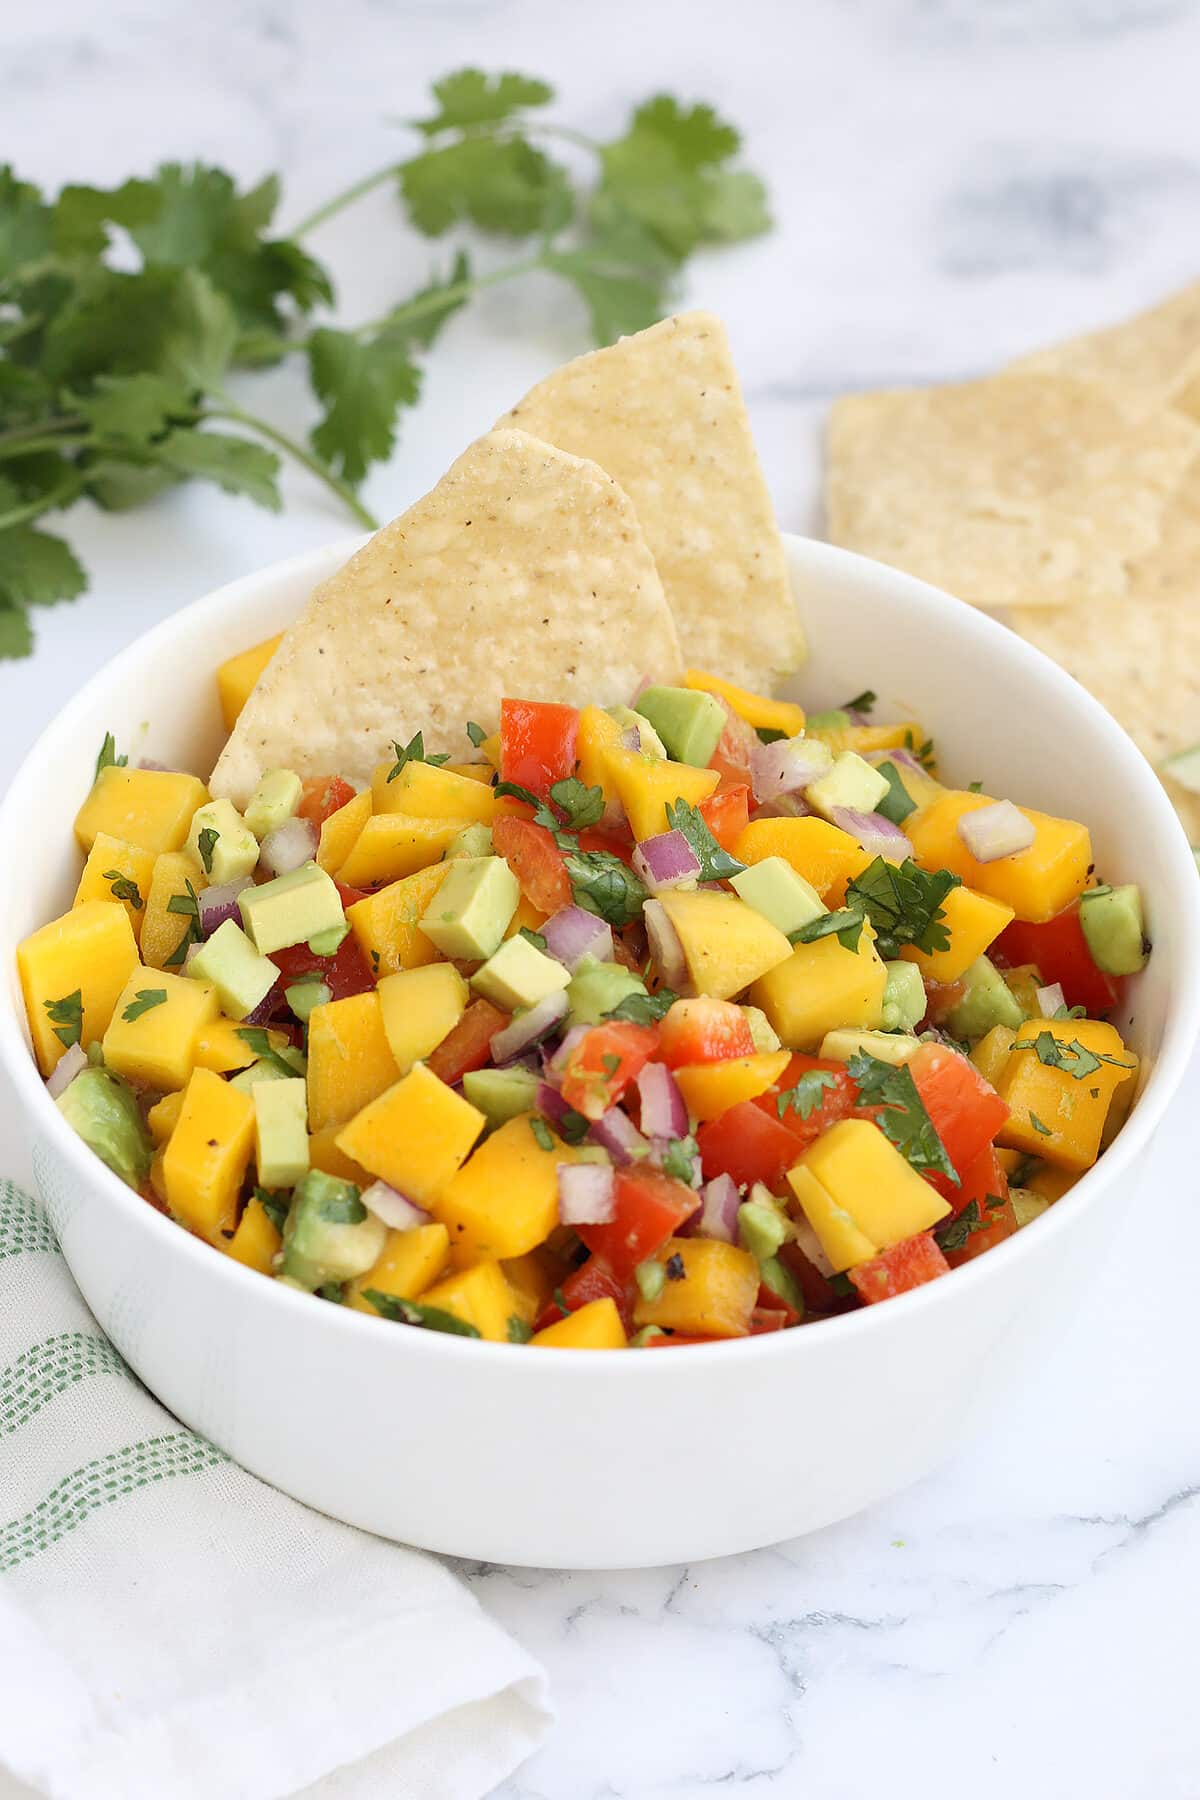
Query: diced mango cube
[527, 917]
[72, 971]
[392, 845]
[420, 1007]
[532, 1278]
[713, 1297]
[1037, 883]
[712, 1088]
[424, 791]
[758, 710]
[596, 1326]
[472, 771]
[163, 1116]
[1051, 1183]
[341, 831]
[169, 925]
[823, 854]
[151, 1037]
[238, 674]
[117, 871]
[905, 734]
[149, 808]
[205, 1161]
[647, 785]
[408, 1263]
[990, 1054]
[598, 732]
[480, 1297]
[973, 921]
[726, 943]
[219, 1046]
[323, 1153]
[823, 986]
[860, 1195]
[349, 1059]
[504, 1201]
[1059, 1098]
[415, 1136]
[386, 923]
[256, 1242]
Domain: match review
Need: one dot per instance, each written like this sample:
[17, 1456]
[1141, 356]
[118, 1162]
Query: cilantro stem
[15, 447]
[447, 296]
[347, 197]
[66, 490]
[21, 434]
[290, 447]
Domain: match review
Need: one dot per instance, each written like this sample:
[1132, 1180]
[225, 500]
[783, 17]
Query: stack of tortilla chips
[1063, 493]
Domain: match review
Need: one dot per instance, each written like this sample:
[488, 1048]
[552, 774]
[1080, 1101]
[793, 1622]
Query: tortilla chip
[1151, 358]
[524, 572]
[663, 413]
[1018, 490]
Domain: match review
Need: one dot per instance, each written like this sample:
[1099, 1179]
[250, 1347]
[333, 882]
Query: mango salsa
[151, 1037]
[1058, 1081]
[72, 973]
[149, 808]
[207, 1155]
[415, 1136]
[117, 871]
[349, 1058]
[238, 674]
[1036, 883]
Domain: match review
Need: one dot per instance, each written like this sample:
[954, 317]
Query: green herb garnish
[206, 843]
[106, 756]
[532, 937]
[1074, 1058]
[807, 1095]
[582, 805]
[124, 888]
[902, 1116]
[189, 906]
[518, 1330]
[601, 884]
[896, 803]
[144, 1001]
[846, 925]
[679, 1159]
[542, 1134]
[476, 733]
[275, 1204]
[863, 703]
[413, 1312]
[716, 864]
[66, 1016]
[904, 904]
[1044, 1130]
[414, 752]
[644, 1009]
[258, 1039]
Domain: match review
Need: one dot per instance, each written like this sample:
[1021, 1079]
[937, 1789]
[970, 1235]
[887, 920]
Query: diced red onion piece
[397, 1211]
[220, 903]
[903, 759]
[738, 740]
[288, 848]
[586, 1195]
[809, 1245]
[787, 766]
[157, 768]
[719, 1209]
[529, 1027]
[784, 806]
[1051, 1000]
[665, 861]
[664, 1110]
[616, 1132]
[573, 933]
[877, 835]
[268, 1006]
[665, 946]
[631, 739]
[991, 832]
[550, 1103]
[562, 1055]
[65, 1070]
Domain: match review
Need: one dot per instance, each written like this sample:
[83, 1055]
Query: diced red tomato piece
[535, 860]
[603, 1063]
[906, 1265]
[982, 1179]
[837, 1100]
[614, 842]
[941, 998]
[649, 1208]
[727, 813]
[344, 973]
[769, 1301]
[537, 743]
[322, 795]
[819, 1295]
[1000, 1221]
[749, 1144]
[993, 1219]
[1061, 953]
[964, 1109]
[348, 895]
[766, 1318]
[731, 758]
[592, 1280]
[703, 1031]
[468, 1045]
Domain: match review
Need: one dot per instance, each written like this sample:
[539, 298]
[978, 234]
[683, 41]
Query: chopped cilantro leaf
[124, 888]
[902, 1116]
[1068, 1012]
[476, 733]
[573, 1127]
[954, 1234]
[107, 758]
[258, 1039]
[716, 864]
[644, 1009]
[66, 1016]
[189, 906]
[863, 703]
[808, 1093]
[582, 805]
[541, 1132]
[679, 1159]
[532, 937]
[560, 1300]
[896, 803]
[206, 843]
[1044, 1130]
[414, 1312]
[519, 1330]
[610, 1064]
[904, 904]
[768, 735]
[515, 792]
[414, 752]
[274, 1204]
[975, 787]
[601, 884]
[1074, 1059]
[144, 1001]
[846, 924]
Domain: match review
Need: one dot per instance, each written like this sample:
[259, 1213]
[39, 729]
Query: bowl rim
[1180, 1030]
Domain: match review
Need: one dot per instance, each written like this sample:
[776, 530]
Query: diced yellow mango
[237, 676]
[1036, 883]
[349, 1059]
[392, 845]
[647, 785]
[490, 747]
[415, 1136]
[149, 808]
[596, 1326]
[165, 934]
[1122, 1101]
[117, 871]
[1055, 1114]
[157, 1044]
[323, 1153]
[991, 1052]
[219, 1048]
[1052, 1183]
[504, 1201]
[726, 944]
[158, 1184]
[341, 831]
[476, 771]
[921, 787]
[527, 917]
[205, 1161]
[420, 1007]
[480, 1297]
[712, 1088]
[386, 924]
[90, 952]
[825, 856]
[423, 791]
[163, 1116]
[408, 1263]
[598, 732]
[715, 1295]
[532, 1280]
[973, 921]
[758, 710]
[823, 986]
[906, 734]
[256, 1242]
[860, 1195]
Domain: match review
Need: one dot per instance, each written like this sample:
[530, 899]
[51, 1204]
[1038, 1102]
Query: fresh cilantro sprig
[66, 1016]
[845, 924]
[716, 864]
[258, 1039]
[600, 882]
[903, 904]
[123, 887]
[414, 752]
[144, 1001]
[901, 1114]
[415, 1312]
[807, 1094]
[643, 1009]
[1073, 1058]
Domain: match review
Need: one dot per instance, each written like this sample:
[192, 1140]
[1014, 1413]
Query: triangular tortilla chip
[1151, 358]
[524, 573]
[663, 413]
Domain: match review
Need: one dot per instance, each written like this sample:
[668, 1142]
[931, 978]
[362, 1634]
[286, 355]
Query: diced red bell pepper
[322, 795]
[468, 1045]
[703, 1031]
[727, 813]
[592, 1280]
[603, 1063]
[649, 1207]
[731, 758]
[906, 1265]
[836, 1101]
[348, 895]
[769, 1301]
[986, 1185]
[344, 973]
[964, 1109]
[614, 843]
[765, 1318]
[1061, 953]
[983, 1178]
[1000, 1221]
[535, 860]
[749, 1144]
[538, 742]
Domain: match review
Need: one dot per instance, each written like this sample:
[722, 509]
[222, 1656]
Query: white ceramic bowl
[556, 1458]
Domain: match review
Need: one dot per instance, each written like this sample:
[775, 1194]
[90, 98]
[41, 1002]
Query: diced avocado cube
[291, 909]
[240, 975]
[473, 840]
[851, 782]
[329, 942]
[904, 1000]
[596, 987]
[779, 1278]
[519, 974]
[762, 1227]
[472, 909]
[274, 801]
[501, 1094]
[988, 1000]
[1027, 1206]
[103, 1109]
[766, 1038]
[688, 721]
[246, 1080]
[834, 719]
[773, 888]
[221, 842]
[329, 1234]
[1115, 928]
[302, 996]
[650, 743]
[884, 1046]
[281, 1132]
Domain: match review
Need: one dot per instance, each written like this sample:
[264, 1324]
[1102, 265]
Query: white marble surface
[954, 180]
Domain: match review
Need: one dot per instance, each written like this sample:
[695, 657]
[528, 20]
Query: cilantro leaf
[582, 805]
[518, 1330]
[679, 1159]
[206, 843]
[37, 568]
[134, 409]
[572, 1127]
[476, 733]
[258, 1039]
[542, 1134]
[232, 463]
[621, 297]
[808, 1094]
[414, 752]
[143, 1002]
[1074, 1058]
[716, 864]
[601, 884]
[502, 185]
[123, 887]
[903, 904]
[896, 803]
[274, 1205]
[419, 319]
[1043, 1130]
[901, 1114]
[954, 1234]
[514, 791]
[107, 757]
[362, 387]
[469, 97]
[644, 1009]
[189, 906]
[415, 1312]
[845, 924]
[532, 937]
[863, 703]
[66, 1016]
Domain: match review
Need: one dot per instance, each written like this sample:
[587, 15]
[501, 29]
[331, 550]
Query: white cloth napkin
[173, 1629]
